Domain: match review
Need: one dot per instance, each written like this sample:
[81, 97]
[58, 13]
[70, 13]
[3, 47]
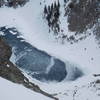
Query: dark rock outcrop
[5, 51]
[80, 15]
[83, 14]
[13, 3]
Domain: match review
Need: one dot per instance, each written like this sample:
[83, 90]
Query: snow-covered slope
[11, 91]
[86, 53]
[86, 88]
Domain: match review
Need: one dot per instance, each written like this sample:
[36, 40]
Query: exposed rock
[13, 3]
[82, 14]
[98, 81]
[96, 75]
[5, 51]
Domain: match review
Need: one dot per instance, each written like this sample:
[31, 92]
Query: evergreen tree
[55, 5]
[65, 1]
[1, 3]
[45, 10]
[49, 9]
[58, 4]
[52, 7]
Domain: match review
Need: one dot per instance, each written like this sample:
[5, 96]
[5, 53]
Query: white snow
[11, 91]
[50, 65]
[66, 90]
[29, 21]
[8, 65]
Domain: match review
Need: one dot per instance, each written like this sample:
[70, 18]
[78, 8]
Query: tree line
[52, 13]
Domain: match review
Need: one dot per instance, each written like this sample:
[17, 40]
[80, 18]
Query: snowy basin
[37, 63]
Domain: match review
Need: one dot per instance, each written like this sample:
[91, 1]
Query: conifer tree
[52, 6]
[65, 1]
[49, 9]
[45, 9]
[55, 5]
[58, 4]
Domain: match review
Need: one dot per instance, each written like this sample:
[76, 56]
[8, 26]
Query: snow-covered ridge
[13, 3]
[11, 91]
[83, 88]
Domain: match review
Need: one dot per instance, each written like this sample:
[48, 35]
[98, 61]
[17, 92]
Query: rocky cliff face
[79, 16]
[5, 51]
[82, 14]
[10, 72]
[13, 3]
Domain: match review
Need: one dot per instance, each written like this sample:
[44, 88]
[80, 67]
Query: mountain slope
[10, 72]
[11, 91]
[82, 50]
[35, 30]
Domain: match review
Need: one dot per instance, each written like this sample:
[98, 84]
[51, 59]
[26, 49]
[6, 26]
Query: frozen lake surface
[36, 63]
